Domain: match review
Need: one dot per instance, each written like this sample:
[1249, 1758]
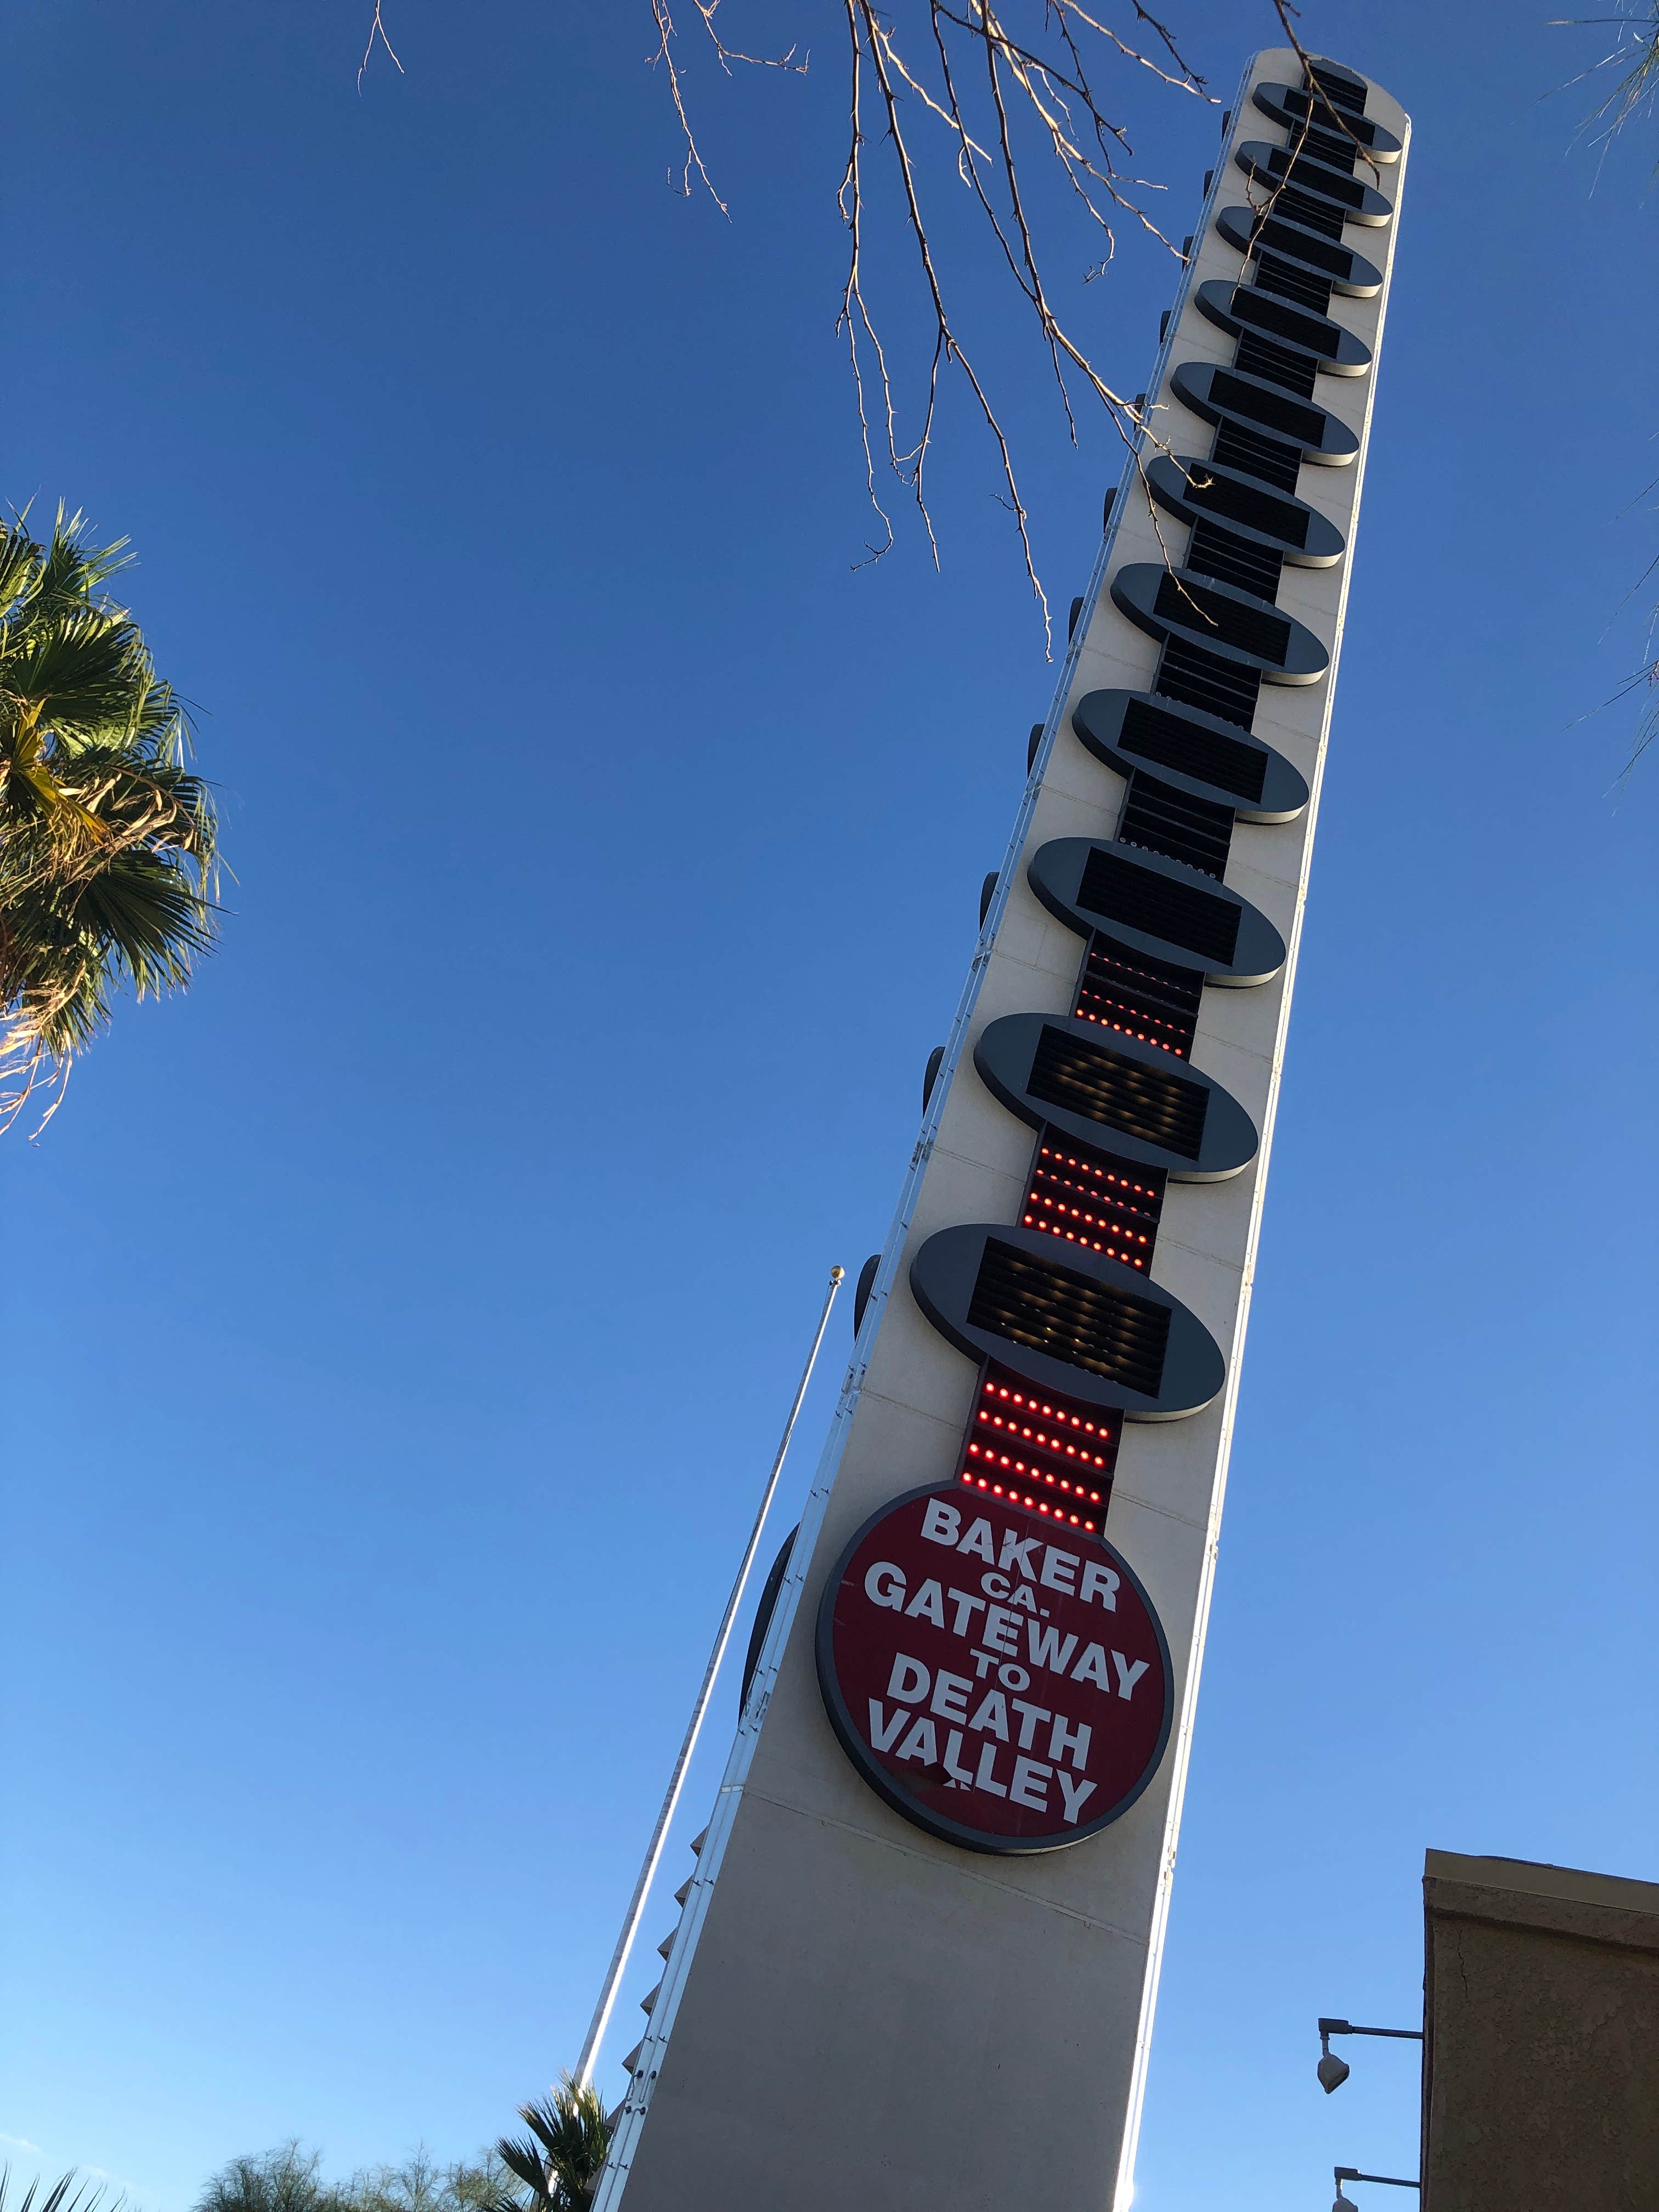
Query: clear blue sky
[398, 1328]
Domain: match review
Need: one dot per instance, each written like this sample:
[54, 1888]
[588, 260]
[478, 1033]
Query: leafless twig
[1032, 78]
[376, 30]
[1016, 89]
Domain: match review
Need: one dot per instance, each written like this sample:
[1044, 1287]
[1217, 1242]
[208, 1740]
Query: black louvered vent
[1070, 1317]
[1138, 996]
[1089, 1198]
[1172, 741]
[1034, 1446]
[1160, 819]
[1217, 552]
[1195, 676]
[1306, 424]
[1249, 629]
[1339, 91]
[1335, 258]
[1257, 510]
[1159, 906]
[1335, 149]
[1273, 275]
[1253, 455]
[1259, 357]
[1317, 331]
[1314, 215]
[1306, 176]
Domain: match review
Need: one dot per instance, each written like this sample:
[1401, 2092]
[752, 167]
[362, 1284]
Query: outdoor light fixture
[1345, 2202]
[1333, 2071]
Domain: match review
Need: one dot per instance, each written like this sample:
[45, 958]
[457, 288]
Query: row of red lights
[1035, 1504]
[1040, 1197]
[1100, 991]
[1124, 1236]
[1000, 1391]
[1038, 1439]
[1100, 1174]
[1106, 963]
[1041, 1444]
[1071, 1236]
[1032, 1473]
[1140, 1037]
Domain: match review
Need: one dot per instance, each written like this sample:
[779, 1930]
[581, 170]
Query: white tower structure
[917, 1962]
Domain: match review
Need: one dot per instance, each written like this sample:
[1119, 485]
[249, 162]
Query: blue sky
[397, 1328]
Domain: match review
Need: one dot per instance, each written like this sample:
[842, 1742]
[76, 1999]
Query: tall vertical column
[918, 1958]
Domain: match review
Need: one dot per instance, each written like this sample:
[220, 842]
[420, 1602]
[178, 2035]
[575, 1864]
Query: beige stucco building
[1541, 2016]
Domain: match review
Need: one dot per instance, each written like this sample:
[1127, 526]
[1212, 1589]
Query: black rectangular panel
[1069, 1318]
[1266, 313]
[1336, 258]
[1251, 630]
[1087, 1079]
[1305, 423]
[1256, 510]
[1171, 741]
[1139, 898]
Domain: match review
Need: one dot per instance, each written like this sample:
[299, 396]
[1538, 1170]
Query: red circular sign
[1002, 1681]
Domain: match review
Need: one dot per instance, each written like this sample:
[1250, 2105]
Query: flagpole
[602, 2011]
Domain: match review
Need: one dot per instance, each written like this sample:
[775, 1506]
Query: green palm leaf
[108, 841]
[561, 2164]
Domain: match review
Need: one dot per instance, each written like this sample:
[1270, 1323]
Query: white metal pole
[602, 2011]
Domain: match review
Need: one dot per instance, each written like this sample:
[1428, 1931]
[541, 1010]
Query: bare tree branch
[1014, 85]
[376, 30]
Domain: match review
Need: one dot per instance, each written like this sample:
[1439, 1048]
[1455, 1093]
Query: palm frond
[524, 2162]
[69, 2193]
[108, 841]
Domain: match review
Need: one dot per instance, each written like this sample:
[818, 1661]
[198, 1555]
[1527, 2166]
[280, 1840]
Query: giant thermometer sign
[918, 1958]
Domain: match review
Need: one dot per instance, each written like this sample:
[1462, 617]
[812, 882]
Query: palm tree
[107, 836]
[560, 2161]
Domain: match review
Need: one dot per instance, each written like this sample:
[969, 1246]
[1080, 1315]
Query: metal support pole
[602, 2011]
